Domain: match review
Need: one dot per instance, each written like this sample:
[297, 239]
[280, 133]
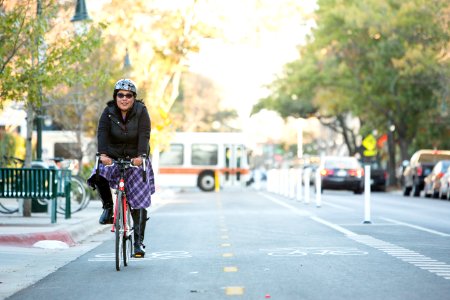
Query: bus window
[173, 156]
[238, 162]
[227, 162]
[204, 154]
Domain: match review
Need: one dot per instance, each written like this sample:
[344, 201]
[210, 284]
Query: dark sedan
[342, 173]
[378, 177]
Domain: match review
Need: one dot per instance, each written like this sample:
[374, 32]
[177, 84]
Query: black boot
[140, 221]
[107, 216]
[104, 191]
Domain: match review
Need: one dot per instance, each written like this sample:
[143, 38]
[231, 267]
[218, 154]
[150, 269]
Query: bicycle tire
[6, 210]
[77, 194]
[128, 238]
[78, 197]
[119, 230]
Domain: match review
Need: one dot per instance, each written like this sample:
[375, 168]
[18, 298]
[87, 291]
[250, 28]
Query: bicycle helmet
[125, 84]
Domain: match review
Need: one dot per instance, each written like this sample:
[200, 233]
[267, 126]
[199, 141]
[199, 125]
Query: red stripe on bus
[195, 171]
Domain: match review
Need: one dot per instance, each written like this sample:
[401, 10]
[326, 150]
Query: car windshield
[341, 163]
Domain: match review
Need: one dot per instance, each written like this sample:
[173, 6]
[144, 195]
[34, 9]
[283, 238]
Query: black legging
[102, 185]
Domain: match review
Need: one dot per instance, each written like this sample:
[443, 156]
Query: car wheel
[416, 190]
[358, 191]
[426, 193]
[406, 191]
[442, 195]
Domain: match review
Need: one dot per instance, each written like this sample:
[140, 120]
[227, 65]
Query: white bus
[193, 158]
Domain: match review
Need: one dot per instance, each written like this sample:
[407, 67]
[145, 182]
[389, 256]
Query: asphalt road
[256, 245]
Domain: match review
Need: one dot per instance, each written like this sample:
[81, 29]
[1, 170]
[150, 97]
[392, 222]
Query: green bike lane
[243, 244]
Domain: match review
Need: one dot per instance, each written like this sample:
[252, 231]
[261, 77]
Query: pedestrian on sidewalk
[124, 131]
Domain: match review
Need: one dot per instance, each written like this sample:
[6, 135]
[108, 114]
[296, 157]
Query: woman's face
[125, 100]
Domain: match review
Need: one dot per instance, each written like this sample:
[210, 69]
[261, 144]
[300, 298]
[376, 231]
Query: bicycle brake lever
[144, 168]
[97, 162]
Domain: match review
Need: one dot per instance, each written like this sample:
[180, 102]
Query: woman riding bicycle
[124, 132]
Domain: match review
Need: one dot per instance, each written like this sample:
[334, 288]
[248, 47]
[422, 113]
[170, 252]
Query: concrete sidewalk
[19, 231]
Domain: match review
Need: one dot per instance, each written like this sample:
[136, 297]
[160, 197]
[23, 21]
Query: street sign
[370, 143]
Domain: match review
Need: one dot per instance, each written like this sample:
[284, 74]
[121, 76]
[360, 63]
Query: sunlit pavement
[259, 245]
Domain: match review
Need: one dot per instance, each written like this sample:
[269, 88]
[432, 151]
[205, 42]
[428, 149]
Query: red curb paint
[28, 239]
[267, 296]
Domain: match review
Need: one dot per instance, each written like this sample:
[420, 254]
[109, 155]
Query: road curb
[28, 239]
[71, 235]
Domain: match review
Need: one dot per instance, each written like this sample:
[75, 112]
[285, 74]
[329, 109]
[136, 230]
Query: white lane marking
[338, 206]
[290, 207]
[163, 255]
[419, 261]
[304, 251]
[416, 227]
[303, 213]
[332, 225]
[365, 225]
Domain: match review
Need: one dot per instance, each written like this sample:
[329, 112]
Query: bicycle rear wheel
[78, 195]
[79, 198]
[119, 230]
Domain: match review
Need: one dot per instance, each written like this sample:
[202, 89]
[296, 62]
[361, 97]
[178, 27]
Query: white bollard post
[367, 195]
[286, 182]
[268, 181]
[280, 182]
[318, 183]
[292, 180]
[307, 182]
[299, 184]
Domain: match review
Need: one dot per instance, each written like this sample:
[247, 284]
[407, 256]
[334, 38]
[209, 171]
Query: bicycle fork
[124, 209]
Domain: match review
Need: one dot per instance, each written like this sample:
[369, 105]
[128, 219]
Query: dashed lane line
[419, 260]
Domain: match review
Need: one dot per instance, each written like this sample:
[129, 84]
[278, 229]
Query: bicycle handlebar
[123, 162]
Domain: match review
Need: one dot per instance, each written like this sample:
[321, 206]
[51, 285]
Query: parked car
[432, 182]
[341, 173]
[420, 166]
[378, 177]
[444, 188]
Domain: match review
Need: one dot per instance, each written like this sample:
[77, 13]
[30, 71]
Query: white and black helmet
[125, 84]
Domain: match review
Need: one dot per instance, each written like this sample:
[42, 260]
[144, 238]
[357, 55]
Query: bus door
[234, 155]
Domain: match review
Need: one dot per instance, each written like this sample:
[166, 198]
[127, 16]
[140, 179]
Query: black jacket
[120, 138]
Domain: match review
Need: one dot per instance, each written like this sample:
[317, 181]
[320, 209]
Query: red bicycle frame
[125, 207]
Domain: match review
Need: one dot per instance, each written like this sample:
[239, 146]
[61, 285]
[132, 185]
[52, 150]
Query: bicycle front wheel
[119, 230]
[128, 236]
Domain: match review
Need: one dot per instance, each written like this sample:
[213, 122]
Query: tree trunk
[392, 163]
[346, 135]
[28, 154]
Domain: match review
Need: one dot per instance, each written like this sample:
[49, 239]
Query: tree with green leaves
[385, 62]
[37, 55]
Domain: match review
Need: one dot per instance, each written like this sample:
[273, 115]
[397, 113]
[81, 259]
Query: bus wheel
[206, 181]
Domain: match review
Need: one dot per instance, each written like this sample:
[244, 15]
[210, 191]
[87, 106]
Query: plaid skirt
[139, 193]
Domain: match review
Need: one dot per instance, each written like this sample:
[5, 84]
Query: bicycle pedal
[138, 255]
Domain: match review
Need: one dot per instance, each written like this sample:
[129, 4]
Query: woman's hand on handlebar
[137, 161]
[106, 160]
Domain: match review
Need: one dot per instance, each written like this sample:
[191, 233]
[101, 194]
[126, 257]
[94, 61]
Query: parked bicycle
[78, 194]
[123, 226]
